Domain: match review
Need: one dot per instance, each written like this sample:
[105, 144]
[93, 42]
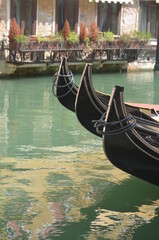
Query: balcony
[50, 53]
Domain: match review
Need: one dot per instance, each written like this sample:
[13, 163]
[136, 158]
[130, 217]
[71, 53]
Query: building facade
[45, 18]
[38, 17]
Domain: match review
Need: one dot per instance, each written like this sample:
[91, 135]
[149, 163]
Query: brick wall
[45, 17]
[3, 17]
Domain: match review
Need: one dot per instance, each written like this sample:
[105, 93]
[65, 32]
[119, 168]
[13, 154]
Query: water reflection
[4, 121]
[140, 80]
[139, 86]
[48, 197]
[55, 179]
[122, 225]
[40, 194]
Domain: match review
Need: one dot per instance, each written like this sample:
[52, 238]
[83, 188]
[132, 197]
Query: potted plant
[140, 39]
[93, 33]
[66, 30]
[13, 32]
[124, 40]
[22, 41]
[72, 40]
[147, 37]
[59, 40]
[108, 38]
[83, 35]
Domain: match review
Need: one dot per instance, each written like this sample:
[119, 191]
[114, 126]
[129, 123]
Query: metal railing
[54, 55]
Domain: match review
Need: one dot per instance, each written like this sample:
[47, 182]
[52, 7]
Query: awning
[115, 1]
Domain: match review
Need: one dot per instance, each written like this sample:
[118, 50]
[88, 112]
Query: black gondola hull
[129, 151]
[89, 107]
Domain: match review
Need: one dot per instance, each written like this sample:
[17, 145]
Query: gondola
[124, 146]
[64, 87]
[99, 98]
[65, 90]
[89, 107]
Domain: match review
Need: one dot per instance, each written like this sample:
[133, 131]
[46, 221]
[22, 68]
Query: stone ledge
[7, 69]
[12, 70]
[140, 66]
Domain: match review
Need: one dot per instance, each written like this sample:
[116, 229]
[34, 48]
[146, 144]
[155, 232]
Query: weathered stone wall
[88, 12]
[46, 17]
[129, 17]
[3, 17]
[129, 14]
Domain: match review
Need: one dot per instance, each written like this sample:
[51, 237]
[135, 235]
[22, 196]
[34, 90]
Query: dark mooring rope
[101, 124]
[69, 84]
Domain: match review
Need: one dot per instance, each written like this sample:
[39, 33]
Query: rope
[101, 121]
[68, 83]
[101, 124]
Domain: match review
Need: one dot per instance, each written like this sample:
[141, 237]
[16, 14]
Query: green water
[56, 182]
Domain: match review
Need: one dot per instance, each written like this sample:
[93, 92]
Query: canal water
[55, 180]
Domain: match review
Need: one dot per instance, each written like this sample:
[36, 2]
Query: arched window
[24, 11]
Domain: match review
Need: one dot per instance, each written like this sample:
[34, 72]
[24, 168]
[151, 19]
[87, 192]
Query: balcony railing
[41, 54]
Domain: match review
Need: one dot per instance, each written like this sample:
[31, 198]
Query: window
[109, 17]
[67, 10]
[24, 12]
[149, 16]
